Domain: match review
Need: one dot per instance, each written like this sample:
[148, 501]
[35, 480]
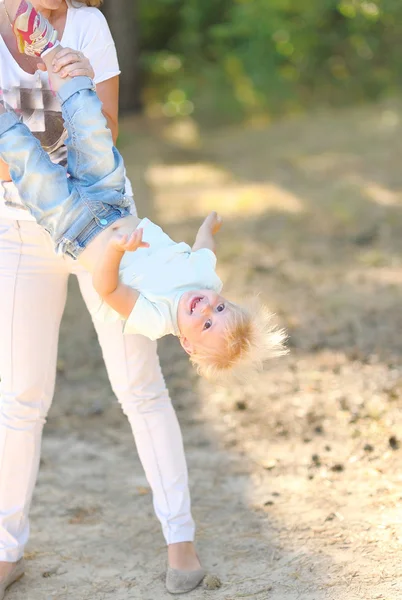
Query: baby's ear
[186, 345]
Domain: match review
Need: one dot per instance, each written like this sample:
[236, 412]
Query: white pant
[33, 288]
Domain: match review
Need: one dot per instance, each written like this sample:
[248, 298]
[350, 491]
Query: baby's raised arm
[207, 231]
[105, 276]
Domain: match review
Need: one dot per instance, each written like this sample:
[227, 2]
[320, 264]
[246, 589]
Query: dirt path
[296, 476]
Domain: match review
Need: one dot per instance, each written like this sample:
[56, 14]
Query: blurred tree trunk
[122, 16]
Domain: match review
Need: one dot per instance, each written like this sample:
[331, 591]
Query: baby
[157, 286]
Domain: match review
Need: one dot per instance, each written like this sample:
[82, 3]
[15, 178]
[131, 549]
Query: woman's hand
[71, 62]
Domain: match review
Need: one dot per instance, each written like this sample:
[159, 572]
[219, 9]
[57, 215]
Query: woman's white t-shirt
[29, 95]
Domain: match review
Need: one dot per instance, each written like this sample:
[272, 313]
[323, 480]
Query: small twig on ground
[261, 575]
[267, 589]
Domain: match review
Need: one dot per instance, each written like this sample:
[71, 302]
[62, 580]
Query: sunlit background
[285, 116]
[254, 59]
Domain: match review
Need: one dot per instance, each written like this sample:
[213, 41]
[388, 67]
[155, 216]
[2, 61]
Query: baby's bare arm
[105, 276]
[207, 231]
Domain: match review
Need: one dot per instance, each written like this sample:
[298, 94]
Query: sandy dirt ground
[296, 476]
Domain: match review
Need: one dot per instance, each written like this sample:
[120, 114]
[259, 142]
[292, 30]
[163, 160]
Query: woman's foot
[5, 569]
[9, 574]
[184, 572]
[183, 556]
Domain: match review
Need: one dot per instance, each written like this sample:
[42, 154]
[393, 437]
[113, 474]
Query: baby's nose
[205, 308]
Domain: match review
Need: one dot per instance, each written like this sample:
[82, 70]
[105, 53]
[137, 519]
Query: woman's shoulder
[87, 30]
[86, 26]
[86, 16]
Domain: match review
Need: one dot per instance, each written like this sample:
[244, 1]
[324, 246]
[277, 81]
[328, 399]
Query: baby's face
[202, 316]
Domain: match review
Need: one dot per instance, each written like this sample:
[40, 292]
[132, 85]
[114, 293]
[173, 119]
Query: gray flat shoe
[180, 582]
[15, 574]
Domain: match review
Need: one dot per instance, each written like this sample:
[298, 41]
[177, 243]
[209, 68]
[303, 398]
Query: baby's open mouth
[194, 303]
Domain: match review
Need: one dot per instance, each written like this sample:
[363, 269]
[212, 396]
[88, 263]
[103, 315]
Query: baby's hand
[128, 243]
[213, 222]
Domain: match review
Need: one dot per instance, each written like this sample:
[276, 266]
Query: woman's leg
[135, 374]
[33, 283]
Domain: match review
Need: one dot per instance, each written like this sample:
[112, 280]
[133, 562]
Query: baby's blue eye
[220, 308]
[208, 324]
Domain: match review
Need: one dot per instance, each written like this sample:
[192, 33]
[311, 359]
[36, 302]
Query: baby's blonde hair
[252, 337]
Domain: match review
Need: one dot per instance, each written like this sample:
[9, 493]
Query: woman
[31, 274]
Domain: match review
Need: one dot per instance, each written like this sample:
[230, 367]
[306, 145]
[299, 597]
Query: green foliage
[256, 57]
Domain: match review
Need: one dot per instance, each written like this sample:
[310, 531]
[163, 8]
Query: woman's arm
[108, 93]
[74, 63]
